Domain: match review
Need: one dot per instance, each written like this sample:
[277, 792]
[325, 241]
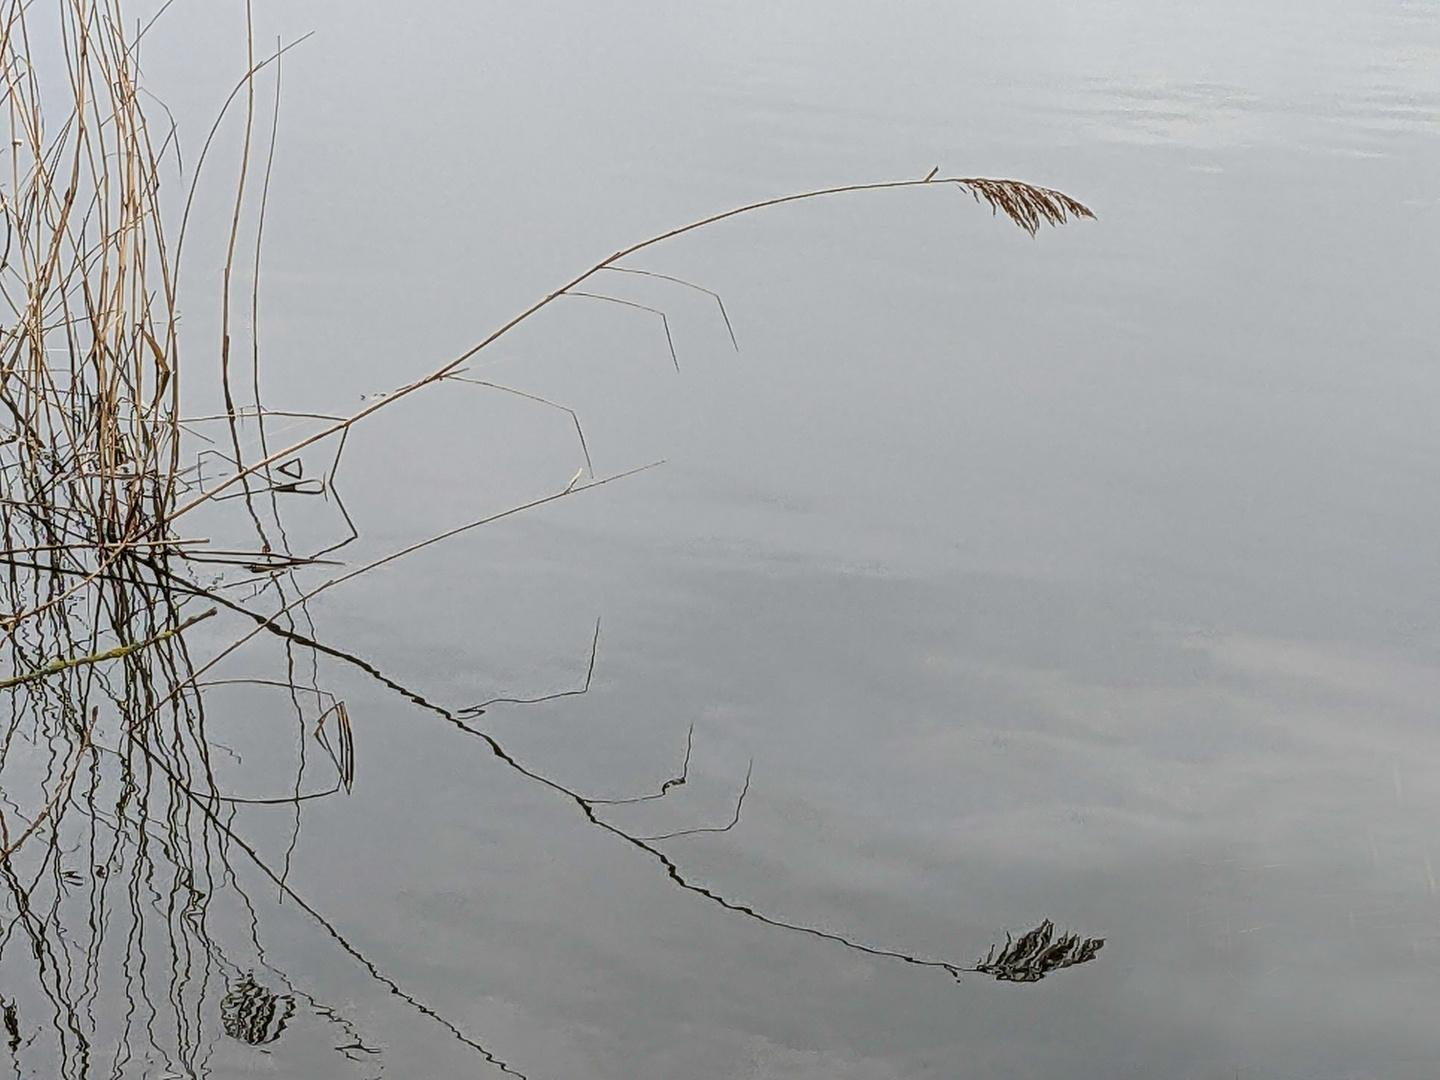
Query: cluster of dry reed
[88, 357]
[105, 747]
[111, 838]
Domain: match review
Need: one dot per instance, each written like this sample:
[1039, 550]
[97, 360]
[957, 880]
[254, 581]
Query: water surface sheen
[1091, 577]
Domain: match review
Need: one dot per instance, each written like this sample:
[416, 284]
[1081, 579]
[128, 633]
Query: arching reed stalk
[115, 834]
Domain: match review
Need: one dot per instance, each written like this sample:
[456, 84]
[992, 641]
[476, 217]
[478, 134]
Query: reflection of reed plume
[116, 831]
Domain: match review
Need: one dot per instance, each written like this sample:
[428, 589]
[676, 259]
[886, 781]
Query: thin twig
[689, 285]
[110, 654]
[664, 320]
[734, 818]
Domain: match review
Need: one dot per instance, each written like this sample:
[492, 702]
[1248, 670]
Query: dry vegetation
[105, 750]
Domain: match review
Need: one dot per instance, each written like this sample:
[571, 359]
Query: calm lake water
[1092, 577]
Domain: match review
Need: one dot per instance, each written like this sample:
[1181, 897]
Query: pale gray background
[1091, 577]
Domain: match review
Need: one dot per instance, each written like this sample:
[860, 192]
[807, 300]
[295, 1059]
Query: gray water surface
[1091, 577]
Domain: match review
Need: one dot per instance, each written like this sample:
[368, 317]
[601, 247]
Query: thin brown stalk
[1026, 204]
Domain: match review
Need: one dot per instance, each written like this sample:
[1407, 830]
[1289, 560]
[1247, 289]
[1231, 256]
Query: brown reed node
[119, 840]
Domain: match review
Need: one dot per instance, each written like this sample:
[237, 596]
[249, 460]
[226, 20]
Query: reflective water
[1090, 578]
